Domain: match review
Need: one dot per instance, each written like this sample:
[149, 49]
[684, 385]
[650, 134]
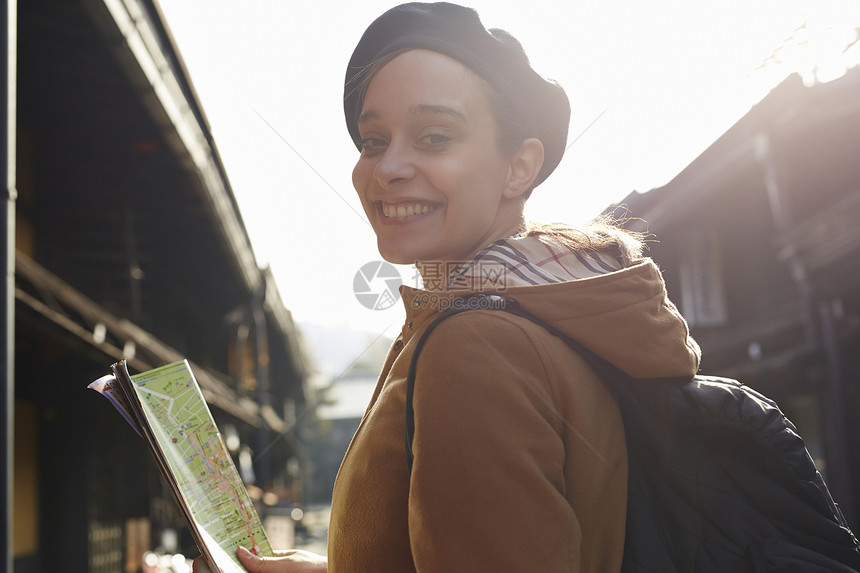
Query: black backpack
[719, 479]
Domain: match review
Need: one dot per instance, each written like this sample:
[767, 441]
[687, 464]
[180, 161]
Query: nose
[395, 165]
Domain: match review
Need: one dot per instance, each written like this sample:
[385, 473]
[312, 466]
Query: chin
[396, 258]
[400, 254]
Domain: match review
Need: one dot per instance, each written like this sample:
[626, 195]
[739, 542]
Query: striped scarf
[524, 261]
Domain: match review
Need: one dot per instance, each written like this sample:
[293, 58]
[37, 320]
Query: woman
[519, 452]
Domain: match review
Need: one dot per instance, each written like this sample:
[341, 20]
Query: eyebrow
[420, 109]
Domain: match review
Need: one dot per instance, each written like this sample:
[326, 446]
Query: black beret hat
[539, 105]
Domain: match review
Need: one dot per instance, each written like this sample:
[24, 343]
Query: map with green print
[173, 416]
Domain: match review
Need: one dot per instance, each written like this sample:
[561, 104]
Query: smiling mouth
[406, 210]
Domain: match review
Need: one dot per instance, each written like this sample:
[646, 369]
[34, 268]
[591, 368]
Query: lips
[403, 210]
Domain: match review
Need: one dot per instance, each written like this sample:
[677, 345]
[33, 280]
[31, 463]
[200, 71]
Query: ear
[524, 167]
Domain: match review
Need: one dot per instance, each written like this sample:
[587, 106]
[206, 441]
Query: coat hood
[625, 316]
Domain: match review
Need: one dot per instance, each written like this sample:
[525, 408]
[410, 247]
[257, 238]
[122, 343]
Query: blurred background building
[342, 400]
[127, 244]
[759, 242]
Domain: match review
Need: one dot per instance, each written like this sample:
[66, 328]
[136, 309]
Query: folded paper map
[165, 406]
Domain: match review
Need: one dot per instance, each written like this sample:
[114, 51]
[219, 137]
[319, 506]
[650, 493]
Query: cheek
[360, 175]
[478, 189]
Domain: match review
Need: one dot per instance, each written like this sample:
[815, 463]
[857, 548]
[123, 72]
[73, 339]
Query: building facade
[127, 244]
[759, 244]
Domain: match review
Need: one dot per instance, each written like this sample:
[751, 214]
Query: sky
[652, 85]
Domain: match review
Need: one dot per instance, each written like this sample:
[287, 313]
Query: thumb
[252, 562]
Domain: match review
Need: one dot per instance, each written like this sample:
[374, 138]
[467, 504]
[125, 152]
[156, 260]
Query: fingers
[252, 562]
[199, 566]
[257, 564]
[290, 561]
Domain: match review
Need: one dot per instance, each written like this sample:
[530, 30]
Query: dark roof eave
[145, 49]
[787, 108]
[77, 314]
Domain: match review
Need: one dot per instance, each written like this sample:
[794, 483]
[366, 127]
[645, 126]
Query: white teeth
[400, 211]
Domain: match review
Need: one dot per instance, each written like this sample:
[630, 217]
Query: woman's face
[431, 177]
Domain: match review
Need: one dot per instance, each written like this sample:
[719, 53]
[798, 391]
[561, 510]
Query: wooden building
[128, 243]
[759, 242]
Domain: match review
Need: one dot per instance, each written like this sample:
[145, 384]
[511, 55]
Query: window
[703, 295]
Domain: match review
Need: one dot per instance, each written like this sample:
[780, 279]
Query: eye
[436, 139]
[371, 145]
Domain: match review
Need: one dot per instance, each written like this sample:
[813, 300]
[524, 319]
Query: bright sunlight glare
[652, 84]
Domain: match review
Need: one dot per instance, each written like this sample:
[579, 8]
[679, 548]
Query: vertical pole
[261, 343]
[8, 25]
[833, 401]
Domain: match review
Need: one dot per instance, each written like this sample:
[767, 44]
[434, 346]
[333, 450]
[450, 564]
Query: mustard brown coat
[520, 459]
